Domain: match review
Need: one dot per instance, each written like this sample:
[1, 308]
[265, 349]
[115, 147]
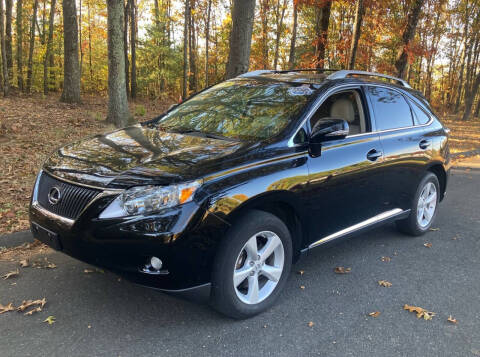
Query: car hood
[139, 155]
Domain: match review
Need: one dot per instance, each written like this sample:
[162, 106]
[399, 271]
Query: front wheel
[424, 207]
[252, 265]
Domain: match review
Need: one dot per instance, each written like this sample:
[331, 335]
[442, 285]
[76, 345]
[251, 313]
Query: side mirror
[329, 129]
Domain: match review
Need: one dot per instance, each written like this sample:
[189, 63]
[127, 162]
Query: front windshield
[239, 109]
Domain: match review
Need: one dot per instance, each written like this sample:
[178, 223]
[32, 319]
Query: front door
[345, 186]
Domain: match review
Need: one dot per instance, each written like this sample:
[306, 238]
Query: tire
[235, 257]
[413, 224]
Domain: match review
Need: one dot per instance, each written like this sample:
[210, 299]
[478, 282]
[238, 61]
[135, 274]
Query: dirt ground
[32, 127]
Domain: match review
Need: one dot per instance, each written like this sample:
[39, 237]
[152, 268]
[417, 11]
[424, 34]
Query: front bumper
[187, 248]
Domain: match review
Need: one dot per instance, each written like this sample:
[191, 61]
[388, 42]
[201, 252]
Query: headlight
[148, 199]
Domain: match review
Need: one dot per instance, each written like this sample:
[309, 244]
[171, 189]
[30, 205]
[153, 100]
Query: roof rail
[346, 73]
[266, 71]
[255, 73]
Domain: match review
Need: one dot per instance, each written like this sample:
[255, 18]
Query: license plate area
[46, 236]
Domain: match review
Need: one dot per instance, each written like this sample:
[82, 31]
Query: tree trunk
[5, 84]
[241, 37]
[193, 51]
[8, 37]
[49, 47]
[118, 113]
[19, 11]
[322, 15]
[280, 14]
[90, 42]
[207, 38]
[185, 49]
[125, 45]
[470, 98]
[264, 8]
[291, 58]
[407, 37]
[357, 29]
[80, 37]
[133, 46]
[71, 76]
[31, 48]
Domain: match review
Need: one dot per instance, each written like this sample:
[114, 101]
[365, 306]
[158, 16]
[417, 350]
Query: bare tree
[5, 84]
[279, 16]
[322, 20]
[19, 11]
[8, 37]
[133, 46]
[407, 37]
[291, 58]
[71, 76]
[185, 49]
[241, 37]
[31, 48]
[357, 29]
[470, 98]
[118, 113]
[125, 45]
[48, 51]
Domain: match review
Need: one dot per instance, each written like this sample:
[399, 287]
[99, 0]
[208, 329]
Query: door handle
[424, 144]
[373, 154]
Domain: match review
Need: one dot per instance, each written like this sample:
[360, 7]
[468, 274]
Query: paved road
[127, 320]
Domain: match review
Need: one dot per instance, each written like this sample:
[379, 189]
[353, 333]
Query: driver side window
[346, 105]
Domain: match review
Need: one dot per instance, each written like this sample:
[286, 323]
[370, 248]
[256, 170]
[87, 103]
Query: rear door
[405, 146]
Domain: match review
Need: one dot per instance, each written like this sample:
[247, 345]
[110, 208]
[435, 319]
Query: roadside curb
[15, 239]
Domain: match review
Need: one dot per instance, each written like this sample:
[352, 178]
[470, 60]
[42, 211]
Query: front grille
[73, 198]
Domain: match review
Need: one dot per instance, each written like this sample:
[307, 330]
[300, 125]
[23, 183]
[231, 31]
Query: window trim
[325, 95]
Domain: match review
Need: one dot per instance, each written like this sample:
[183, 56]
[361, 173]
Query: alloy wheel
[258, 267]
[427, 203]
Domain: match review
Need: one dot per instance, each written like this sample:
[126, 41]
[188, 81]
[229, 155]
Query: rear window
[422, 117]
[391, 109]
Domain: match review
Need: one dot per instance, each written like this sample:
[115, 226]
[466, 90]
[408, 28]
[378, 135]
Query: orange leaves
[384, 283]
[428, 245]
[374, 314]
[421, 312]
[452, 320]
[342, 270]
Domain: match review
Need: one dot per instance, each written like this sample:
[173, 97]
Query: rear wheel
[424, 207]
[252, 265]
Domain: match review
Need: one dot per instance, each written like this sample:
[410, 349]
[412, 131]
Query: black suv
[222, 193]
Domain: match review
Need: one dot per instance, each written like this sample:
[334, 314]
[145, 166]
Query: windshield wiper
[195, 132]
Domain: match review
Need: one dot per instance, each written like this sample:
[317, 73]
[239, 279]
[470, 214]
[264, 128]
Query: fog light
[156, 263]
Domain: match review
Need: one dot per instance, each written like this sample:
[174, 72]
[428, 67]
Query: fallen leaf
[302, 287]
[428, 245]
[452, 320]
[88, 271]
[44, 264]
[374, 314]
[384, 283]
[11, 274]
[386, 259]
[35, 309]
[342, 270]
[50, 320]
[27, 303]
[6, 308]
[24, 263]
[434, 229]
[421, 312]
[311, 323]
[301, 272]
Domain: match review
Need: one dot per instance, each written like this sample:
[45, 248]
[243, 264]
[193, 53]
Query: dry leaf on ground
[32, 311]
[421, 312]
[311, 323]
[452, 320]
[11, 274]
[50, 320]
[27, 303]
[374, 314]
[342, 270]
[6, 308]
[428, 245]
[434, 229]
[386, 259]
[24, 263]
[302, 287]
[384, 283]
[301, 272]
[44, 264]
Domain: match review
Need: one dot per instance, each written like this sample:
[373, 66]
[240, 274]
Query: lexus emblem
[54, 195]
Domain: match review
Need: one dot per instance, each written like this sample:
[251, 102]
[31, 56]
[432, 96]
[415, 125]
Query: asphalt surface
[98, 315]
